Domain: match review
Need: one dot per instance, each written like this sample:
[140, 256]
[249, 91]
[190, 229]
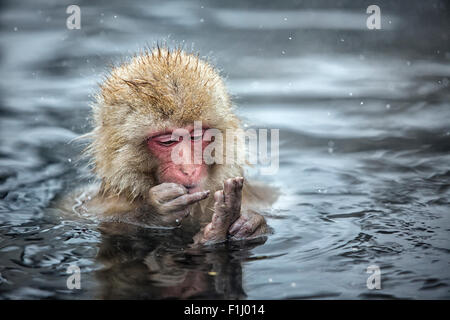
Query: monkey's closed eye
[167, 143]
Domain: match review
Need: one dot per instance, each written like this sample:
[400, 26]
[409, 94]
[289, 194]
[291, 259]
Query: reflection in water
[159, 264]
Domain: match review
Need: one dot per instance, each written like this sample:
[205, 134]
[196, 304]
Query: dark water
[364, 121]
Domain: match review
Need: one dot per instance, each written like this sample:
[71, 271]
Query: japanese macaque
[141, 106]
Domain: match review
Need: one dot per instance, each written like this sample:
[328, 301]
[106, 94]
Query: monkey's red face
[180, 155]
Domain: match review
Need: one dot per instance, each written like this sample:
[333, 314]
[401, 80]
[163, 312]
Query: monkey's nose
[188, 171]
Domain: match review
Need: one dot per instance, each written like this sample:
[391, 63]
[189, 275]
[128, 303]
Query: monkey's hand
[250, 225]
[227, 209]
[171, 202]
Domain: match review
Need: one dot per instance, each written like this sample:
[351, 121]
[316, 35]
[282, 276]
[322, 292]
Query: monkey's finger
[228, 190]
[232, 188]
[255, 226]
[238, 184]
[172, 193]
[246, 230]
[168, 185]
[219, 197]
[237, 225]
[234, 197]
[188, 199]
[222, 217]
[166, 192]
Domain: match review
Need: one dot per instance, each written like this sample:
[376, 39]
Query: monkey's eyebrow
[169, 131]
[163, 138]
[160, 133]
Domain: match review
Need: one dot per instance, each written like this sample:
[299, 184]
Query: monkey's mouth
[191, 187]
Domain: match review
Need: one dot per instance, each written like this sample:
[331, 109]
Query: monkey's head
[140, 104]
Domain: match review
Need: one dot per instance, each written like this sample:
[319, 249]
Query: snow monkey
[140, 107]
